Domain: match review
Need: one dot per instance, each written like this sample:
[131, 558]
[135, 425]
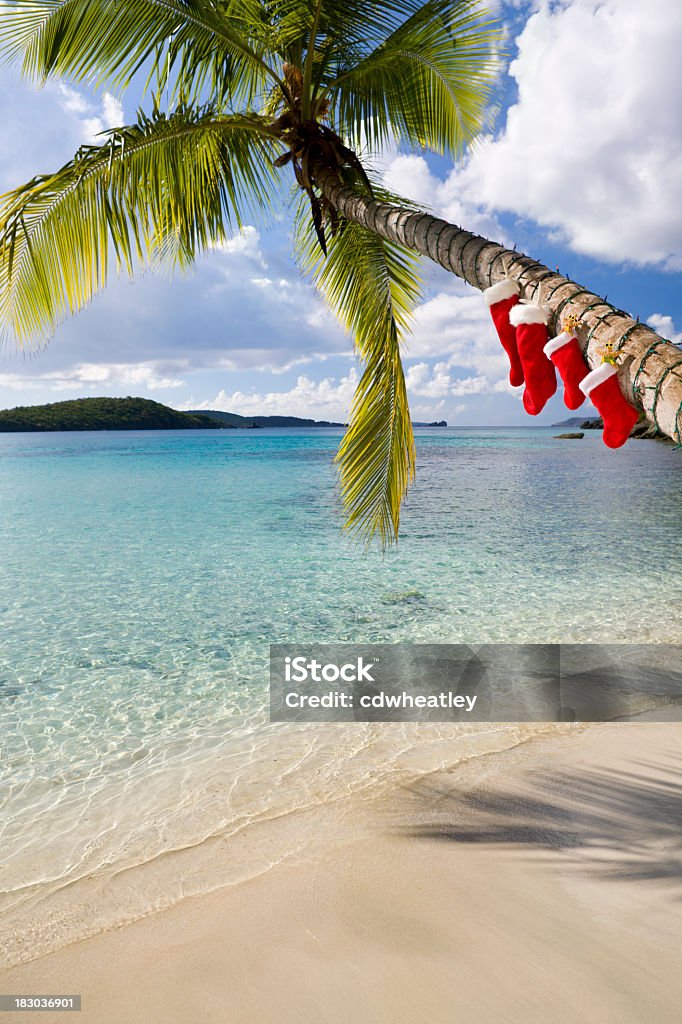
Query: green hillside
[103, 414]
[233, 419]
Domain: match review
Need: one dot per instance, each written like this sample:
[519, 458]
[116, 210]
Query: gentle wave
[220, 817]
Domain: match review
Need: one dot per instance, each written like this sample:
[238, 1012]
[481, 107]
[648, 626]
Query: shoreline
[305, 781]
[533, 884]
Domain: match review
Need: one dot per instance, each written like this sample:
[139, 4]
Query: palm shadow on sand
[627, 825]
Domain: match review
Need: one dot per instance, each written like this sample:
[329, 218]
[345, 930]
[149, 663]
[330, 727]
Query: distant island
[572, 421]
[143, 414]
[102, 414]
[642, 428]
[233, 419]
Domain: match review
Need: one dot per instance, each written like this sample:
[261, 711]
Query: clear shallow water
[145, 574]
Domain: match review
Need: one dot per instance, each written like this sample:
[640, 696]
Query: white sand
[539, 885]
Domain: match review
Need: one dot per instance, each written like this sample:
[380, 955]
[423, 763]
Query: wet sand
[539, 884]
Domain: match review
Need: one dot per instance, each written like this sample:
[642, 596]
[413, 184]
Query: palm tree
[255, 89]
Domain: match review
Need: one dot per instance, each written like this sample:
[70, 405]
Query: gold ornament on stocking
[609, 354]
[570, 323]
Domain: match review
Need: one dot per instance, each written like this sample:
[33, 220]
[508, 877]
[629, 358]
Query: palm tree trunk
[650, 370]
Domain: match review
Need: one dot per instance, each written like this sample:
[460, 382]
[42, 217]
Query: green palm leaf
[165, 187]
[373, 286]
[428, 84]
[192, 43]
[347, 25]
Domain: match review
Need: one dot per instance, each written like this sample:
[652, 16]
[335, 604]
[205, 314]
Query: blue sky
[581, 170]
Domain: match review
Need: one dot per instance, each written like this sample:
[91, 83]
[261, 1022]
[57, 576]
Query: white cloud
[456, 326]
[664, 326]
[331, 399]
[457, 350]
[152, 376]
[41, 128]
[437, 410]
[303, 301]
[409, 175]
[245, 243]
[72, 101]
[292, 291]
[94, 118]
[112, 111]
[424, 381]
[326, 399]
[591, 148]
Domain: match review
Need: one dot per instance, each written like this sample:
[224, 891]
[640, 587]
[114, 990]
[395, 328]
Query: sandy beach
[542, 883]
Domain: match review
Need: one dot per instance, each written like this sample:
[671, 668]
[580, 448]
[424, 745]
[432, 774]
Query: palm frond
[327, 77]
[373, 287]
[193, 44]
[165, 186]
[338, 23]
[428, 83]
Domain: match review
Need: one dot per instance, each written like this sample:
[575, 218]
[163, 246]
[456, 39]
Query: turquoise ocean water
[145, 574]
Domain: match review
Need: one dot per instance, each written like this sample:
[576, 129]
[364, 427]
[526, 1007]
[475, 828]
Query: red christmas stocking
[538, 372]
[500, 298]
[602, 388]
[567, 356]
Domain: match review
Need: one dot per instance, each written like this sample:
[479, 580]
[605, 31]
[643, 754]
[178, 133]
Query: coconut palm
[258, 93]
